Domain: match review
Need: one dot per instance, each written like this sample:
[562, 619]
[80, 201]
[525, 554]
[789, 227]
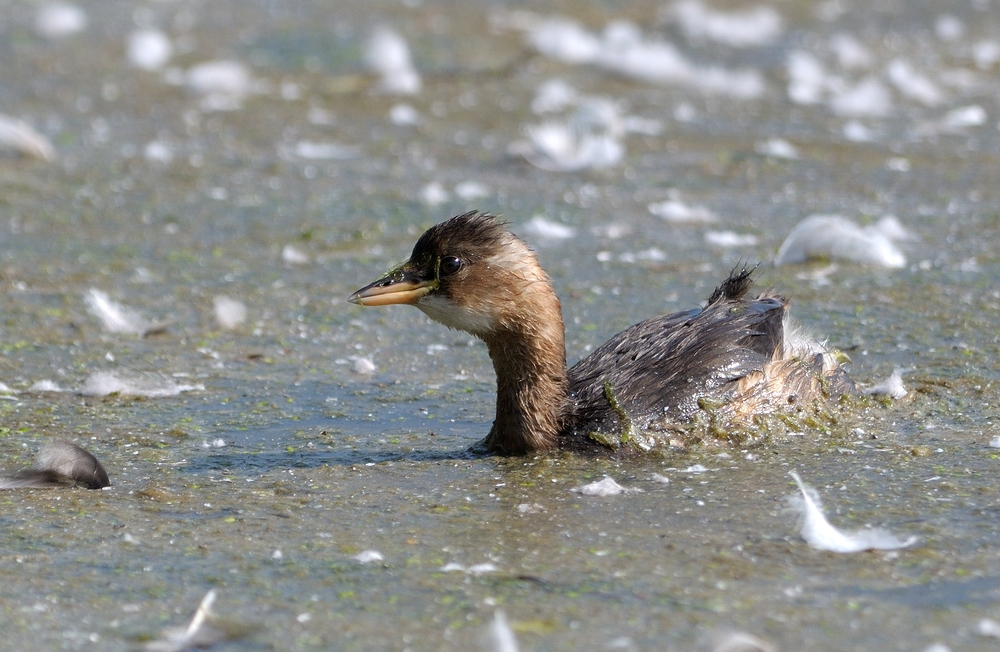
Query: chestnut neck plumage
[529, 358]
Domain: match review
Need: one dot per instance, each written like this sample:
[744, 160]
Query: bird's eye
[450, 265]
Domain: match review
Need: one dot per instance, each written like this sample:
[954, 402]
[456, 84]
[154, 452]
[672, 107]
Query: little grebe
[733, 357]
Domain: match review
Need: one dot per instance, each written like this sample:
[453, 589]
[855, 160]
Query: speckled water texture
[314, 430]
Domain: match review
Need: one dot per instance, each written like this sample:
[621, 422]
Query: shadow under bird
[735, 358]
[61, 464]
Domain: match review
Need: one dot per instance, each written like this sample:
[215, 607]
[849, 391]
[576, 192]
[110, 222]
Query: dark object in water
[62, 464]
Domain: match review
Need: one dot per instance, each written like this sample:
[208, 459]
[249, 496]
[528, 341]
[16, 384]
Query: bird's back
[665, 369]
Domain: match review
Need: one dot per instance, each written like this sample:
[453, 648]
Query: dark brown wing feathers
[660, 368]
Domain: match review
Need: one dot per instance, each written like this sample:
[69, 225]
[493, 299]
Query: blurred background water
[189, 191]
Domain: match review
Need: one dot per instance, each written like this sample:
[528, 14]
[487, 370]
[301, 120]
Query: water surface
[320, 462]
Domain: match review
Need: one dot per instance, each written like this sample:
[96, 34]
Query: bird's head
[470, 273]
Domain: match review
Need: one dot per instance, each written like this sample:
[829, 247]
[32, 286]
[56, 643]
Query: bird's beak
[398, 286]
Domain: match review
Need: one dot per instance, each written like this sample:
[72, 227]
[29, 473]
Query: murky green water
[321, 463]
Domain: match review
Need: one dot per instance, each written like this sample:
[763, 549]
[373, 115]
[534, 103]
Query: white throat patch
[451, 315]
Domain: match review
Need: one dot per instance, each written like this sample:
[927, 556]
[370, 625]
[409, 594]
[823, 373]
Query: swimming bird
[730, 360]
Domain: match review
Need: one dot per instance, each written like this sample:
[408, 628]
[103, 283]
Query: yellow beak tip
[388, 295]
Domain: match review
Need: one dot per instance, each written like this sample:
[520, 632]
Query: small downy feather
[19, 136]
[116, 318]
[836, 237]
[502, 635]
[743, 642]
[205, 630]
[820, 534]
[892, 386]
[125, 383]
[198, 633]
[603, 488]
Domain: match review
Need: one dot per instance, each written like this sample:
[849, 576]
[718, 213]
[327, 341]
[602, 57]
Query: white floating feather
[59, 19]
[892, 228]
[7, 395]
[404, 115]
[622, 49]
[937, 647]
[749, 27]
[319, 116]
[949, 28]
[324, 151]
[820, 534]
[223, 84]
[869, 97]
[198, 633]
[158, 151]
[833, 236]
[389, 56]
[475, 569]
[677, 212]
[898, 164]
[850, 53]
[368, 556]
[684, 112]
[604, 487]
[543, 228]
[986, 54]
[45, 386]
[856, 132]
[470, 190]
[116, 318]
[565, 40]
[222, 76]
[149, 49]
[553, 96]
[19, 136]
[565, 147]
[105, 383]
[807, 79]
[590, 138]
[201, 615]
[912, 84]
[502, 635]
[988, 627]
[363, 366]
[229, 313]
[743, 642]
[634, 124]
[777, 148]
[291, 255]
[964, 117]
[697, 469]
[434, 194]
[891, 386]
[730, 239]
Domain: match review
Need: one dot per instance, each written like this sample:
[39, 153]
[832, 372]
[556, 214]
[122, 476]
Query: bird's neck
[529, 358]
